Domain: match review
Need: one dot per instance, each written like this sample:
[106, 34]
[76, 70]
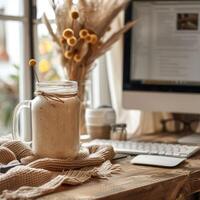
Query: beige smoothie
[55, 127]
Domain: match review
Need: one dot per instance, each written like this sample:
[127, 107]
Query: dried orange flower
[83, 33]
[77, 58]
[68, 54]
[74, 14]
[62, 40]
[32, 62]
[88, 39]
[68, 33]
[72, 41]
[94, 38]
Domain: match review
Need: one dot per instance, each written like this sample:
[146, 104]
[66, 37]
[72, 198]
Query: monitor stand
[190, 139]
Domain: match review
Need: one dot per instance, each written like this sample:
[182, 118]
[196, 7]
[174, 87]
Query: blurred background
[14, 28]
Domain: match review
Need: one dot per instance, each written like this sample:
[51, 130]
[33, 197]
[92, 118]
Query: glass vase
[85, 102]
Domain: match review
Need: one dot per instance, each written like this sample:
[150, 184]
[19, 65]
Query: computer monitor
[162, 56]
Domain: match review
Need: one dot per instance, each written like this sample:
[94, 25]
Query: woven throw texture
[39, 176]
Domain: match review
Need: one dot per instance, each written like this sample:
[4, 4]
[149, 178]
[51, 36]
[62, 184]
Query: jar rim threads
[57, 87]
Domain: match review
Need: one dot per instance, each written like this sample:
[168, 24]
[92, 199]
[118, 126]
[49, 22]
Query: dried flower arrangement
[80, 36]
[80, 33]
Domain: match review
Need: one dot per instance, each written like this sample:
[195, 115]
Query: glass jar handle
[16, 115]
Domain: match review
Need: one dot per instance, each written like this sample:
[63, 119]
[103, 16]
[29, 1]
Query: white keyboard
[151, 148]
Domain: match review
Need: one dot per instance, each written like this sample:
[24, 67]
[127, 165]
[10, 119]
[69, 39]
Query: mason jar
[55, 119]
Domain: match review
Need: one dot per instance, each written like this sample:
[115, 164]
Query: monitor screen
[162, 51]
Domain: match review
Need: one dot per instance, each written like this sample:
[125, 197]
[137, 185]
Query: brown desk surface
[140, 182]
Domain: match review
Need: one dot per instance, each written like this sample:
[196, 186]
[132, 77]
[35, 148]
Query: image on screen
[166, 43]
[187, 21]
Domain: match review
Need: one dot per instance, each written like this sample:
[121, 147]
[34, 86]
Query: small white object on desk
[154, 160]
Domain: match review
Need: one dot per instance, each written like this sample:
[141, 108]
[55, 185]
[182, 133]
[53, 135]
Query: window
[14, 51]
[45, 49]
[16, 48]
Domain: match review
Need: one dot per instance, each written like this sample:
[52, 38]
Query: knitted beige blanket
[40, 176]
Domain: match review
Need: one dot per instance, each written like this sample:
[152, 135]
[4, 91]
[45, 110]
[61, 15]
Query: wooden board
[140, 182]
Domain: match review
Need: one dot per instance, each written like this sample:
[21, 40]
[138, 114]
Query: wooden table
[140, 182]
